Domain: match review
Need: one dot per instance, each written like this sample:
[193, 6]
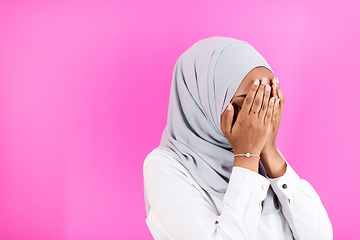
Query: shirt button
[264, 187]
[284, 186]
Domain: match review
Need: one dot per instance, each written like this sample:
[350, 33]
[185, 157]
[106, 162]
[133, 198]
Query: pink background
[84, 89]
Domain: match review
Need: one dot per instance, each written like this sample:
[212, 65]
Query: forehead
[255, 73]
[260, 72]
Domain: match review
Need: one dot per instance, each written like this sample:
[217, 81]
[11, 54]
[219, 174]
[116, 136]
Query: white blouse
[178, 208]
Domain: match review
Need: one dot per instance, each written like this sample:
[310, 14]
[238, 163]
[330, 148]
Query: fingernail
[277, 80]
[278, 101]
[267, 88]
[229, 106]
[264, 81]
[272, 100]
[256, 82]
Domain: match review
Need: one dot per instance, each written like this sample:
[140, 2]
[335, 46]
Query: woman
[217, 173]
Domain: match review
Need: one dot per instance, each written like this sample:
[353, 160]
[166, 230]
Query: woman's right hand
[251, 129]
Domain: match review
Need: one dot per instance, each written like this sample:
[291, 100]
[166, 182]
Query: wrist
[247, 150]
[247, 159]
[269, 151]
[251, 163]
[273, 163]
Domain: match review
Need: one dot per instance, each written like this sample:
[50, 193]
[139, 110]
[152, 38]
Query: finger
[270, 111]
[277, 110]
[274, 88]
[265, 102]
[258, 100]
[226, 120]
[250, 97]
[280, 95]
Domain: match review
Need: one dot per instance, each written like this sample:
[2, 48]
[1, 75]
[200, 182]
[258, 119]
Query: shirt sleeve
[302, 207]
[182, 212]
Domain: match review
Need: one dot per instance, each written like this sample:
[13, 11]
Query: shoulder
[158, 156]
[161, 165]
[165, 175]
[161, 160]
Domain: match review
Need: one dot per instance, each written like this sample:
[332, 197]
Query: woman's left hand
[270, 145]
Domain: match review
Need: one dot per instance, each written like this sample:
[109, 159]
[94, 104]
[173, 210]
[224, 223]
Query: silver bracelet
[246, 155]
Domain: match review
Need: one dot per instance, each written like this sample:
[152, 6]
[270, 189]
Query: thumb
[226, 120]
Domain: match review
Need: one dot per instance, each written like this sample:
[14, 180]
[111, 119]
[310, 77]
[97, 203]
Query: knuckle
[257, 101]
[242, 119]
[248, 100]
[263, 106]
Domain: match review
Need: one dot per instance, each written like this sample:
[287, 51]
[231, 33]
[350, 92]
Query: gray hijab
[205, 79]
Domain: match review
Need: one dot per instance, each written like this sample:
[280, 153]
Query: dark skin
[252, 120]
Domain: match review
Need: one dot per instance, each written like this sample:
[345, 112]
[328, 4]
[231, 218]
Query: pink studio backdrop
[84, 89]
